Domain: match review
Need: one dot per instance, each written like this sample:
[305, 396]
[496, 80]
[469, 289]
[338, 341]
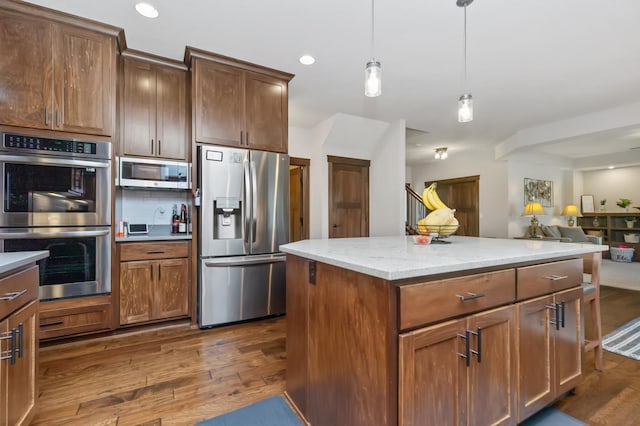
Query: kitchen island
[473, 331]
[19, 283]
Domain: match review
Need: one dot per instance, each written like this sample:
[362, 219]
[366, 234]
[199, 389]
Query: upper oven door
[53, 191]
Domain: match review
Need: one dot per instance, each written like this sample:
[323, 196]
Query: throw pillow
[551, 231]
[576, 234]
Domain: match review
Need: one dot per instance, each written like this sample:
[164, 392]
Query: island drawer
[546, 278]
[157, 250]
[433, 301]
[17, 290]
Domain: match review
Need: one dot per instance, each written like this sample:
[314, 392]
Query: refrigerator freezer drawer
[241, 288]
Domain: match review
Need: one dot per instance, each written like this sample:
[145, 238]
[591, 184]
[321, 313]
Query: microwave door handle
[254, 195]
[246, 201]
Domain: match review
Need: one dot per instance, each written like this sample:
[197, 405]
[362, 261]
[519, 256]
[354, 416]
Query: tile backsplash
[153, 207]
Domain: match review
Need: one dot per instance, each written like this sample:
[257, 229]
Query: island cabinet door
[535, 355]
[432, 379]
[492, 368]
[568, 340]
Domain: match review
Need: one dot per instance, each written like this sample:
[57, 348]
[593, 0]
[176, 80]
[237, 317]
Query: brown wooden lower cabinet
[67, 317]
[157, 287]
[363, 350]
[470, 385]
[18, 347]
[550, 349]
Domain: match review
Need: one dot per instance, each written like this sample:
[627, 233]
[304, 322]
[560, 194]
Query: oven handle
[53, 161]
[54, 234]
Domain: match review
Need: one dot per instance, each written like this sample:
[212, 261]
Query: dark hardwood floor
[178, 375]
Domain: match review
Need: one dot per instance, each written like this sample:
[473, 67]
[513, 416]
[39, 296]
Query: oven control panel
[12, 140]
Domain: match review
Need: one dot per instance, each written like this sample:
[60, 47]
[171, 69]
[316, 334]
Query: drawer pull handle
[556, 277]
[12, 295]
[49, 324]
[155, 251]
[469, 296]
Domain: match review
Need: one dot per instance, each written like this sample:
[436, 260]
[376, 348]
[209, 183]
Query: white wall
[612, 184]
[494, 211]
[356, 137]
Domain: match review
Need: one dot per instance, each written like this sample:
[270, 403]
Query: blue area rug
[269, 412]
[552, 417]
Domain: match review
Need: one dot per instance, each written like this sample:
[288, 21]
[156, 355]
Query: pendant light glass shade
[373, 79]
[465, 108]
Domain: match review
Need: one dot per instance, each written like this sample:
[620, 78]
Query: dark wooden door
[84, 76]
[492, 378]
[348, 197]
[219, 103]
[462, 194]
[26, 63]
[299, 199]
[265, 112]
[139, 104]
[171, 110]
[430, 395]
[535, 353]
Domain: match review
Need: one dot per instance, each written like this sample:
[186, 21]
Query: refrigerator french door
[244, 218]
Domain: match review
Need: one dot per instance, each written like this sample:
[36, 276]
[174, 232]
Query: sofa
[564, 233]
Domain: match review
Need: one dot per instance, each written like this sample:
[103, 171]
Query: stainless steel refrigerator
[244, 218]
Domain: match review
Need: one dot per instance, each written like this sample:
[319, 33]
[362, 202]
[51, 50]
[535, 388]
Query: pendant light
[373, 70]
[465, 101]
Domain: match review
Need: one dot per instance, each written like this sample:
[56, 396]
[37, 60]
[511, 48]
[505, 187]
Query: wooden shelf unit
[613, 227]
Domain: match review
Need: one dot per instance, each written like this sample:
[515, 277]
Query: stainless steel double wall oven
[57, 197]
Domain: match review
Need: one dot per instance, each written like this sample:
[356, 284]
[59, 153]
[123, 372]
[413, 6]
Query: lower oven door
[78, 262]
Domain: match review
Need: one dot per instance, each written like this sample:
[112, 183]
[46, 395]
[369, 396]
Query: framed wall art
[587, 204]
[538, 191]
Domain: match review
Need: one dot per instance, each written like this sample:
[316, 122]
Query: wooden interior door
[462, 194]
[299, 199]
[348, 197]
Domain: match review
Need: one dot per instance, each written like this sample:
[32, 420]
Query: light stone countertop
[394, 258]
[11, 261]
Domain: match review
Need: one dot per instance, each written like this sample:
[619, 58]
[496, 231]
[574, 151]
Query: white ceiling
[530, 62]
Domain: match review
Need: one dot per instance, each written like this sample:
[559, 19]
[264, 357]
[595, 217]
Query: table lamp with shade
[570, 210]
[533, 209]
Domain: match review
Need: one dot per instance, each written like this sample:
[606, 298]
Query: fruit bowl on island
[437, 231]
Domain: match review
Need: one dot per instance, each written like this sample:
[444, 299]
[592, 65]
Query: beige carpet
[620, 275]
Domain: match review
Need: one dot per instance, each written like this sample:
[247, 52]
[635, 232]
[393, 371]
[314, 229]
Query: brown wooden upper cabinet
[154, 107]
[236, 103]
[56, 76]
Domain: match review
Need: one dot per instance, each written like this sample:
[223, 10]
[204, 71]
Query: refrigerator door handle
[254, 197]
[247, 201]
[245, 260]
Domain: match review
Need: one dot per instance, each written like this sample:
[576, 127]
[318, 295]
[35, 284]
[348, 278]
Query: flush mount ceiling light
[307, 59]
[465, 101]
[147, 10]
[373, 70]
[441, 154]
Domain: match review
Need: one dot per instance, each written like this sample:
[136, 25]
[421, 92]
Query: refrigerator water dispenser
[227, 218]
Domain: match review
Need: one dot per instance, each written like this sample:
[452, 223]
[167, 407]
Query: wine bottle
[175, 220]
[182, 226]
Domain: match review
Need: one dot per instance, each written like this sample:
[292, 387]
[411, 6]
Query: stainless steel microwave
[153, 174]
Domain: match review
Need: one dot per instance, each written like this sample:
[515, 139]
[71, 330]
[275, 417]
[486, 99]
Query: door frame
[304, 164]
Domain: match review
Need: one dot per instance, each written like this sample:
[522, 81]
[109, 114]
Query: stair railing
[416, 210]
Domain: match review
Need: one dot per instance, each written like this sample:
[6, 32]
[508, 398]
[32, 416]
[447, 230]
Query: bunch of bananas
[441, 220]
[431, 199]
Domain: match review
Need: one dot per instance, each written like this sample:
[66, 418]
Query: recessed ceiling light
[147, 10]
[307, 59]
[611, 167]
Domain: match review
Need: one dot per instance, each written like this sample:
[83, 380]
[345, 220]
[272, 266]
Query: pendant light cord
[372, 30]
[465, 47]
